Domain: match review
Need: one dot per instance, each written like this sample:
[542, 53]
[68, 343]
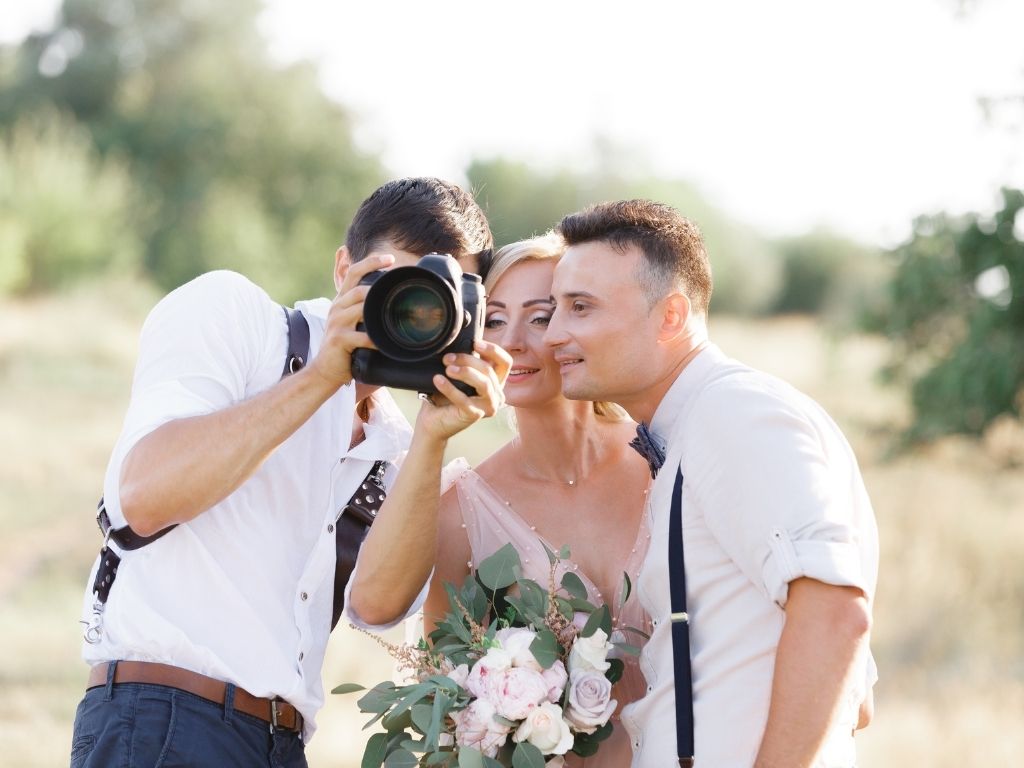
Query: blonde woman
[568, 476]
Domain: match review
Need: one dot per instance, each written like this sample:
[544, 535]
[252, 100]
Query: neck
[559, 441]
[644, 405]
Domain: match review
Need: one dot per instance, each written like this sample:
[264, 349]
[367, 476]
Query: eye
[578, 306]
[493, 322]
[541, 320]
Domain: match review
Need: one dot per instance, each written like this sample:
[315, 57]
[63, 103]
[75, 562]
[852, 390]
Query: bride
[568, 477]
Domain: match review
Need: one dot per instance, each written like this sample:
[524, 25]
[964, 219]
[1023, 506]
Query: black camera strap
[125, 538]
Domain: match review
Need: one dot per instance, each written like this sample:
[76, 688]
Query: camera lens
[415, 315]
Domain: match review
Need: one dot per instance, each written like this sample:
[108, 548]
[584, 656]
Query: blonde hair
[547, 247]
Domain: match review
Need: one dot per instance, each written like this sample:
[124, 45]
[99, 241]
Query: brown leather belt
[277, 713]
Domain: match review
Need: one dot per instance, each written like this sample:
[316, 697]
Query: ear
[342, 261]
[674, 317]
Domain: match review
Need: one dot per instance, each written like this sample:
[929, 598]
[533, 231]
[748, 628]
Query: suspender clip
[681, 616]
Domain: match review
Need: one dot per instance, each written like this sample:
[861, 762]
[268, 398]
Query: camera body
[416, 315]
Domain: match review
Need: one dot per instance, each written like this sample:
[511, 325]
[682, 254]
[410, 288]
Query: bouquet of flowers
[514, 675]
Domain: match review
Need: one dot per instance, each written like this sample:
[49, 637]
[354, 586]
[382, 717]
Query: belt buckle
[273, 716]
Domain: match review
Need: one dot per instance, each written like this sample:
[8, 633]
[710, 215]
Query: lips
[566, 362]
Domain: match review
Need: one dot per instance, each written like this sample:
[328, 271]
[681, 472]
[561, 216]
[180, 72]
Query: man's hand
[334, 360]
[448, 414]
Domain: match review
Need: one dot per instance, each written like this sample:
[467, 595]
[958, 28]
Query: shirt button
[303, 595]
[330, 527]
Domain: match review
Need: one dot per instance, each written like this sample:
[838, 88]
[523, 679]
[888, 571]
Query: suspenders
[680, 628]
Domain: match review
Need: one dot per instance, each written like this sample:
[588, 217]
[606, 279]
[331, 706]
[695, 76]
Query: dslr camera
[416, 315]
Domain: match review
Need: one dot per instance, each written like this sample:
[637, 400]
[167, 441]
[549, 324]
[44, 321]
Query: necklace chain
[537, 473]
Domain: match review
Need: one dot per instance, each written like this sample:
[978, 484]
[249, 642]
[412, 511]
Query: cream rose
[590, 701]
[589, 654]
[476, 727]
[546, 730]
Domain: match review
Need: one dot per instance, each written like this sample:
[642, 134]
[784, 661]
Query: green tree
[239, 162]
[955, 313]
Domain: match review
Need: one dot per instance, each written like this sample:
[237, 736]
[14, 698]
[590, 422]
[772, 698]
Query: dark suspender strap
[355, 520]
[298, 341]
[127, 539]
[680, 628]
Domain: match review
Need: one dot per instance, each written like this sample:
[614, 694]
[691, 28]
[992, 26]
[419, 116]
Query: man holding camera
[233, 487]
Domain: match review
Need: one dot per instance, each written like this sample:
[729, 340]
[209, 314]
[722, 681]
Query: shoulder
[211, 294]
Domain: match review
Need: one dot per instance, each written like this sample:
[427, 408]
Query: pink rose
[546, 730]
[459, 675]
[518, 691]
[481, 678]
[515, 641]
[476, 727]
[555, 676]
[590, 701]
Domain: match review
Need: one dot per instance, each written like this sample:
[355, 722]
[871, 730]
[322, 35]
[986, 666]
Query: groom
[777, 548]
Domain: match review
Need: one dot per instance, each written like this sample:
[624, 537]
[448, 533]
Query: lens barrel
[411, 314]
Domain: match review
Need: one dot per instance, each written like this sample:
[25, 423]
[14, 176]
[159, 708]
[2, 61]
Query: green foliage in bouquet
[507, 678]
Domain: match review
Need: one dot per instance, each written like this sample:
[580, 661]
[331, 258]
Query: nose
[555, 335]
[512, 338]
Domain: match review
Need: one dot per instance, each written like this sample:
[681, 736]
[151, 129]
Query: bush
[65, 212]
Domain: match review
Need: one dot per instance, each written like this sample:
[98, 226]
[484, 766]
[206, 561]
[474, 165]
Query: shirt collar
[387, 433]
[687, 383]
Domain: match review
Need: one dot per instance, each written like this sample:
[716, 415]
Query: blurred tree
[239, 162]
[826, 274]
[955, 312]
[521, 201]
[64, 212]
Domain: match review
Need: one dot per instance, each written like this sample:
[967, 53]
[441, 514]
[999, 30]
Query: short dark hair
[672, 246]
[420, 215]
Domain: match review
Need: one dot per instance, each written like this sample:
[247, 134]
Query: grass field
[949, 618]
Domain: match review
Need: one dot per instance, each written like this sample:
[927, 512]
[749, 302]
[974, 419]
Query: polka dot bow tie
[644, 444]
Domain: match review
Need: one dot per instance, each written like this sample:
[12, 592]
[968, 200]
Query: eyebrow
[532, 302]
[574, 295]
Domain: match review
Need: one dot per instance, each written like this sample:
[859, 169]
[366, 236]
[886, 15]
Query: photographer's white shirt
[772, 493]
[243, 592]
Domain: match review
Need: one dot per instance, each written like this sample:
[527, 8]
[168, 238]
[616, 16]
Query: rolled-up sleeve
[780, 488]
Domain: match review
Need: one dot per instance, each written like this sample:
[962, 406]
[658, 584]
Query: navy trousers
[136, 725]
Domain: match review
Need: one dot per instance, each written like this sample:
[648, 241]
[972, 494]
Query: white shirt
[243, 592]
[772, 492]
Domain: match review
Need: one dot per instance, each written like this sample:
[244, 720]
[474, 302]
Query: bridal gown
[491, 521]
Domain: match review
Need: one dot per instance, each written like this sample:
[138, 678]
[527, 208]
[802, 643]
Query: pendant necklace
[536, 473]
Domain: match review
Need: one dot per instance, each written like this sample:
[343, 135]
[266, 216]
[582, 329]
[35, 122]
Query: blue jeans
[136, 725]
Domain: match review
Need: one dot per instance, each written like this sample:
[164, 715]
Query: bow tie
[644, 444]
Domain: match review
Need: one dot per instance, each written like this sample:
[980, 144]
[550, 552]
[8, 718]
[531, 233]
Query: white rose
[515, 641]
[556, 677]
[590, 654]
[546, 730]
[480, 682]
[590, 701]
[476, 727]
[518, 691]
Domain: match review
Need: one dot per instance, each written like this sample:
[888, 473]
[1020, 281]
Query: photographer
[206, 649]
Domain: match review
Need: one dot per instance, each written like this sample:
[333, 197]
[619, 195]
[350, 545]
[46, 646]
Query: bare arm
[453, 556]
[184, 467]
[825, 628]
[401, 546]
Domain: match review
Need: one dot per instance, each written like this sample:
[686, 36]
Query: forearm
[399, 551]
[824, 631]
[186, 466]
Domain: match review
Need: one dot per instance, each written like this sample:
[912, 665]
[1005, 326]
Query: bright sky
[787, 115]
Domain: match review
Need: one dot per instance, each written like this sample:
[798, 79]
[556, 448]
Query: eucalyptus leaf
[421, 715]
[470, 758]
[565, 607]
[599, 619]
[500, 569]
[401, 758]
[582, 606]
[614, 671]
[627, 588]
[563, 552]
[348, 688]
[397, 720]
[573, 584]
[632, 650]
[534, 597]
[527, 756]
[545, 648]
[552, 557]
[376, 749]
